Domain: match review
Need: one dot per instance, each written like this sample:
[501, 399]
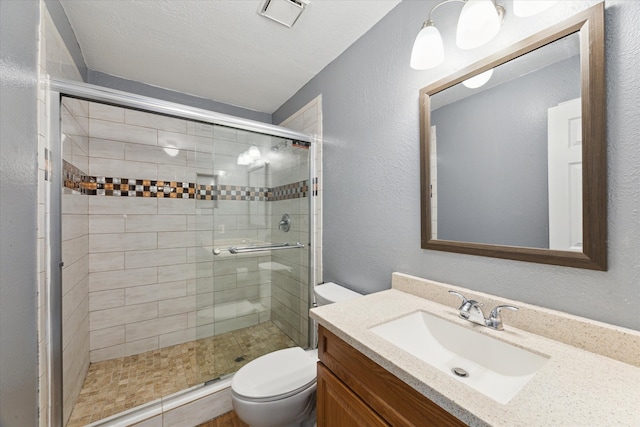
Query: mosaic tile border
[233, 192]
[72, 177]
[108, 186]
[76, 180]
[290, 191]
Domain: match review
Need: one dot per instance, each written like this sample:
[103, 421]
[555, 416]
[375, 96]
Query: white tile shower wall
[153, 280]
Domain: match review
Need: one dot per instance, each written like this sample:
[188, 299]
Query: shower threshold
[164, 406]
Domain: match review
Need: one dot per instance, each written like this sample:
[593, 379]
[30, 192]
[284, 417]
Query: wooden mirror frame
[590, 25]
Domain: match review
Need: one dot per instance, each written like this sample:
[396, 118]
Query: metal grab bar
[272, 246]
[261, 248]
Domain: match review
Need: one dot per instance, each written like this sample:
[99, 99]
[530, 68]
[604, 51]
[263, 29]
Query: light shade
[479, 80]
[524, 8]
[254, 153]
[428, 51]
[171, 150]
[479, 22]
[244, 159]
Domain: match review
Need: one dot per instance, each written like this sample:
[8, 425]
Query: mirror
[516, 167]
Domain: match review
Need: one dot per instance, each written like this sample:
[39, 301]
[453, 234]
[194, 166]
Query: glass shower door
[152, 298]
[252, 289]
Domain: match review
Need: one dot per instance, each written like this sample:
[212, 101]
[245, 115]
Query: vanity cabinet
[353, 390]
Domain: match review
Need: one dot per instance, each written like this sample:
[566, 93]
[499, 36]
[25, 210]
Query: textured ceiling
[218, 49]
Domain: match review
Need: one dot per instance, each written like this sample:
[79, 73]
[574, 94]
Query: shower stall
[184, 247]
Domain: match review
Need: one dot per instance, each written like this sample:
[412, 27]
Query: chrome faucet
[471, 310]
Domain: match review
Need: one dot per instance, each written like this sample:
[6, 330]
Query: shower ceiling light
[478, 24]
[249, 157]
[244, 159]
[285, 12]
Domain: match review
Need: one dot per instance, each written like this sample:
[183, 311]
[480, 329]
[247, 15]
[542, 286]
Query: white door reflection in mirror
[565, 176]
[434, 185]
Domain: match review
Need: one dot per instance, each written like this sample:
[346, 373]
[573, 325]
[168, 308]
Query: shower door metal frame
[57, 88]
[54, 303]
[153, 105]
[312, 330]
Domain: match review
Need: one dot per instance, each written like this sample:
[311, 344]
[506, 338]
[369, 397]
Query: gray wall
[131, 86]
[371, 166]
[18, 204]
[492, 185]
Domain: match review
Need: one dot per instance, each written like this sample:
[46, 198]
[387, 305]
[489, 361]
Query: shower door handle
[271, 247]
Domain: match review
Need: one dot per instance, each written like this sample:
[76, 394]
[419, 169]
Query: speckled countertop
[574, 388]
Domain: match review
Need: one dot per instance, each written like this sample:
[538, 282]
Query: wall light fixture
[479, 22]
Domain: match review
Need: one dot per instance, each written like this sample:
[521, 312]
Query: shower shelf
[259, 248]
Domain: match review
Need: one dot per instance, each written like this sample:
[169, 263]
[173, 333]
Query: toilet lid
[275, 374]
[335, 293]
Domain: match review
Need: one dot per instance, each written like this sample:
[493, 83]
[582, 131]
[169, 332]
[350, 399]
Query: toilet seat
[275, 376]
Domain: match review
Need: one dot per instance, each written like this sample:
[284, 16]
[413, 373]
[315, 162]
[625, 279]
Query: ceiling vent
[285, 12]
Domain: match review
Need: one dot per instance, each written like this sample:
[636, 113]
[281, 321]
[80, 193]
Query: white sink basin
[493, 367]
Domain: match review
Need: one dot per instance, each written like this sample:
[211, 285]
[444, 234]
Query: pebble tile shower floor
[115, 385]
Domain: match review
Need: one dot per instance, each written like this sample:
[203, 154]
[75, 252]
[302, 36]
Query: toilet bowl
[279, 388]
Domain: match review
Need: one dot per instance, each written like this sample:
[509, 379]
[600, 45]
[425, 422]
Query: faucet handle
[458, 294]
[466, 302]
[467, 306]
[495, 312]
[495, 321]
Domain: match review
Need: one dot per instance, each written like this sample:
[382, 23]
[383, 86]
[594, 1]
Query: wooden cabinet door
[384, 394]
[338, 406]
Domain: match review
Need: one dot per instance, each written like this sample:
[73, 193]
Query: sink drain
[460, 372]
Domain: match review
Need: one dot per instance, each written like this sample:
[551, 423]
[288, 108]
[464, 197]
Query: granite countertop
[574, 388]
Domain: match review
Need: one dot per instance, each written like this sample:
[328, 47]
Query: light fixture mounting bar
[501, 10]
[442, 3]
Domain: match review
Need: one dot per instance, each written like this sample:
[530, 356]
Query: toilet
[279, 388]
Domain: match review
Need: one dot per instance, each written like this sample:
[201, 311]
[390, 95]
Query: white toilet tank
[330, 292]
